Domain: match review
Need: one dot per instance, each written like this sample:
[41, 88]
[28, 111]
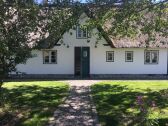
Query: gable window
[81, 32]
[152, 57]
[110, 56]
[129, 56]
[49, 56]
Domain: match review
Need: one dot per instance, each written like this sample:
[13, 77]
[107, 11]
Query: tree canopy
[16, 22]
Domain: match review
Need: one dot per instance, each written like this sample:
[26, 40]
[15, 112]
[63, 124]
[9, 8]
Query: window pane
[46, 59]
[147, 57]
[129, 56]
[154, 57]
[50, 57]
[81, 33]
[85, 54]
[151, 57]
[110, 56]
[53, 57]
[46, 56]
[84, 33]
[53, 60]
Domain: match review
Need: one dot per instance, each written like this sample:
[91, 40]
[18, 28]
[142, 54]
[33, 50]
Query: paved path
[78, 109]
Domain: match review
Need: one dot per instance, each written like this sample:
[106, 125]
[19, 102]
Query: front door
[82, 61]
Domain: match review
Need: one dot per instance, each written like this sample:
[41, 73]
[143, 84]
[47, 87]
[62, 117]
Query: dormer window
[81, 33]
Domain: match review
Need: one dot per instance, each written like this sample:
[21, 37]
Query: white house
[78, 54]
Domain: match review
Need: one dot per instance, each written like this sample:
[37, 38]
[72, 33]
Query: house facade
[81, 54]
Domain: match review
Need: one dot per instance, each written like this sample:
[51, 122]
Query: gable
[70, 38]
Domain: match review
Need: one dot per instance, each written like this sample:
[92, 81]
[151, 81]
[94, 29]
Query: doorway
[82, 61]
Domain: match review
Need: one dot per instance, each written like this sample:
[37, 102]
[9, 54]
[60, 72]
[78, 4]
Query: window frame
[82, 33]
[157, 51]
[50, 57]
[107, 52]
[132, 56]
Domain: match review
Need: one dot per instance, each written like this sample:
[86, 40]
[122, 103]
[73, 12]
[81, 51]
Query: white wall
[119, 66]
[98, 64]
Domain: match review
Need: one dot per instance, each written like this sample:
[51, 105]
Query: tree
[17, 21]
[23, 25]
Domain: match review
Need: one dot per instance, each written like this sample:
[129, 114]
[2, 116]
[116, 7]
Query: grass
[31, 103]
[114, 101]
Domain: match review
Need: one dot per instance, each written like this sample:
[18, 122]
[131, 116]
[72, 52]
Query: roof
[138, 41]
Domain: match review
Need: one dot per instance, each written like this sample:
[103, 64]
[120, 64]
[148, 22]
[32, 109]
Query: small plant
[148, 111]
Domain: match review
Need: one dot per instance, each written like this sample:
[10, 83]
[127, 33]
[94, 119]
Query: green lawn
[32, 103]
[115, 101]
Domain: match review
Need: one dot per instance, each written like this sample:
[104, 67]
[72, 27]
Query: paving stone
[78, 109]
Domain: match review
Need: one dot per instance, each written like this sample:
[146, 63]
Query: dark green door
[85, 57]
[82, 61]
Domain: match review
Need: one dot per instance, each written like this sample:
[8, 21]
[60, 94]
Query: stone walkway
[78, 109]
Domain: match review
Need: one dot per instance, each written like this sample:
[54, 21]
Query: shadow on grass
[113, 103]
[34, 103]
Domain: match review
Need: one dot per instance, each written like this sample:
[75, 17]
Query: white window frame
[107, 56]
[126, 56]
[79, 29]
[151, 51]
[50, 56]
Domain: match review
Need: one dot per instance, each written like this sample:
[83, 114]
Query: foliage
[31, 103]
[16, 22]
[120, 18]
[147, 111]
[56, 22]
[127, 19]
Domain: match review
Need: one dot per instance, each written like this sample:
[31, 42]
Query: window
[81, 32]
[50, 57]
[110, 56]
[129, 56]
[152, 57]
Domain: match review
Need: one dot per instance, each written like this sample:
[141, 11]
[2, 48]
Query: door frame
[81, 74]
